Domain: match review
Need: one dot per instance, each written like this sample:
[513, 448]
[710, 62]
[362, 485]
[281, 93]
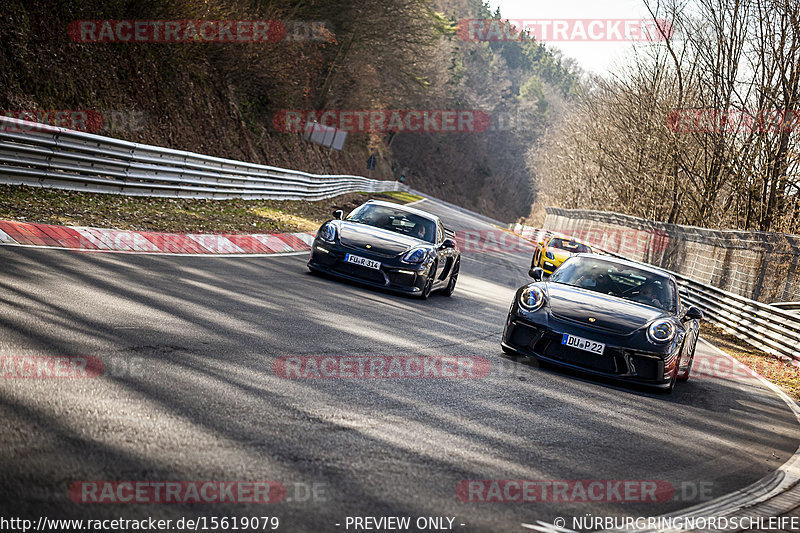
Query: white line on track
[755, 493]
[130, 252]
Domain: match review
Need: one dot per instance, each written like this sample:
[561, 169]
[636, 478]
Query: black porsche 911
[606, 316]
[390, 246]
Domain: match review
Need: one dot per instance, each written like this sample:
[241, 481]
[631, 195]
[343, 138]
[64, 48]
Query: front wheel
[428, 287]
[671, 385]
[451, 286]
[685, 370]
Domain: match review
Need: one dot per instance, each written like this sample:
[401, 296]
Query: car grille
[552, 348]
[646, 367]
[361, 272]
[397, 278]
[523, 335]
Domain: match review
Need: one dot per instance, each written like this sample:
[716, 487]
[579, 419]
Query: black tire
[673, 380]
[451, 285]
[685, 376]
[426, 289]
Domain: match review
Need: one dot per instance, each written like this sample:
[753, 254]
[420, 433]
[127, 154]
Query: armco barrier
[770, 328]
[41, 155]
[763, 266]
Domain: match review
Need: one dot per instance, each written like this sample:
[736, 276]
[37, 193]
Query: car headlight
[327, 232]
[550, 255]
[415, 256]
[531, 298]
[661, 331]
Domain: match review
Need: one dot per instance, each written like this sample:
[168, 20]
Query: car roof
[403, 208]
[628, 262]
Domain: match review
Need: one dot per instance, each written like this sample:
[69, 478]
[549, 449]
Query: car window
[570, 246]
[620, 280]
[395, 220]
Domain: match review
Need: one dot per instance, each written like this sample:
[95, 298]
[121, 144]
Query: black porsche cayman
[607, 316]
[390, 246]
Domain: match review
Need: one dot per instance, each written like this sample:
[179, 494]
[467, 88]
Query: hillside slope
[223, 98]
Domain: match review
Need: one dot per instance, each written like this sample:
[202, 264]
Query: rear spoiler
[449, 233]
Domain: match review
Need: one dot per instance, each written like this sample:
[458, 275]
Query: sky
[593, 56]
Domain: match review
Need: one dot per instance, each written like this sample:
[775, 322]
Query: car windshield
[396, 220]
[620, 280]
[570, 246]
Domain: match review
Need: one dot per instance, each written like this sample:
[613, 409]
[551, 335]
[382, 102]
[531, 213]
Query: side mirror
[448, 243]
[338, 214]
[693, 313]
[536, 273]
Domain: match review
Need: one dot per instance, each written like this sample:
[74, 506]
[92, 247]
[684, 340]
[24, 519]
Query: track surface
[202, 401]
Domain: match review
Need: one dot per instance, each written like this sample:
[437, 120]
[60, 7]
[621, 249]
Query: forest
[699, 129]
[222, 98]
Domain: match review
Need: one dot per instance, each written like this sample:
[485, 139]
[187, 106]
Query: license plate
[583, 344]
[363, 261]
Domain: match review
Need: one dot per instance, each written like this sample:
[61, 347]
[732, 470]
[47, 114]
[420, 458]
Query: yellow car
[553, 251]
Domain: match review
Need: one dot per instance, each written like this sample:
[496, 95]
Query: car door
[692, 326]
[446, 255]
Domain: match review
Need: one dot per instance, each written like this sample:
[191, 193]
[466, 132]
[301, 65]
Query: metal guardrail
[789, 306]
[41, 155]
[774, 329]
[764, 326]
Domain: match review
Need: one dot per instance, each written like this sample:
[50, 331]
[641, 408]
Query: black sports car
[607, 316]
[390, 246]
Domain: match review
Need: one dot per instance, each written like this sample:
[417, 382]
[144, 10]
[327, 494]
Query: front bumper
[622, 361]
[392, 275]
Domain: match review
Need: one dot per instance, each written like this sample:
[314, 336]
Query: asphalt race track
[189, 392]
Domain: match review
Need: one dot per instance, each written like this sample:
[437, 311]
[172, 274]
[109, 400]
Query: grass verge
[72, 208]
[773, 369]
